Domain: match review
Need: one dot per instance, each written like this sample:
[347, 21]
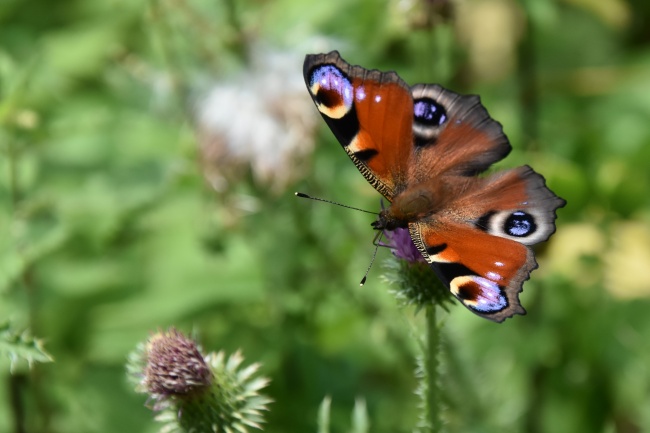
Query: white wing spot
[361, 94]
[494, 276]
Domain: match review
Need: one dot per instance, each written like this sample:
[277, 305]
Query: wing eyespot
[428, 118]
[478, 293]
[520, 224]
[429, 113]
[332, 91]
[528, 227]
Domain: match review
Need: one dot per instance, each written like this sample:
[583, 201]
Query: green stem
[432, 366]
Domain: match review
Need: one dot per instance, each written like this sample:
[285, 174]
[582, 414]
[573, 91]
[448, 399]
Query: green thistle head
[196, 393]
[417, 284]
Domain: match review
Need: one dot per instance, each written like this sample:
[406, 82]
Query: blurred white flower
[263, 119]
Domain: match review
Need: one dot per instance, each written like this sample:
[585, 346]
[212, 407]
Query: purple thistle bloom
[196, 392]
[175, 366]
[402, 246]
[417, 282]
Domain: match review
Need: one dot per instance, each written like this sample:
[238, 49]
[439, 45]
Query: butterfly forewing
[359, 107]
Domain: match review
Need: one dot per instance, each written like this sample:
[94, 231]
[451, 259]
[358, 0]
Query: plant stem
[432, 365]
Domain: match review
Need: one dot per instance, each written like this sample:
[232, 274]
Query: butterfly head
[389, 221]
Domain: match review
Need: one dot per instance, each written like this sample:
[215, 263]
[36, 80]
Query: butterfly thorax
[411, 205]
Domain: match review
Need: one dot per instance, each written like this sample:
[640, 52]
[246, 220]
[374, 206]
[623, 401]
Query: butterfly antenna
[377, 243]
[303, 195]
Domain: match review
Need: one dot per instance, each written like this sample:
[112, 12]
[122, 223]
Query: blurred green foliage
[109, 230]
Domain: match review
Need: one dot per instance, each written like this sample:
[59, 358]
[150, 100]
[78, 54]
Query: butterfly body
[423, 147]
[410, 206]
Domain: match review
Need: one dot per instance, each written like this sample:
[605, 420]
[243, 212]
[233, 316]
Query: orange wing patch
[484, 272]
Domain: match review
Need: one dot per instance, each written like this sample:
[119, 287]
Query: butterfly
[423, 148]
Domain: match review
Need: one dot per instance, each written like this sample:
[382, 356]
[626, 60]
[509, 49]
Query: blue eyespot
[428, 112]
[333, 86]
[520, 224]
[482, 294]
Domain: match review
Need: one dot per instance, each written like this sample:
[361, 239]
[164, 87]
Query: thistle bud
[197, 393]
[417, 283]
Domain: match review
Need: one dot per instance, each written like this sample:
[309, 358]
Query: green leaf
[30, 244]
[21, 345]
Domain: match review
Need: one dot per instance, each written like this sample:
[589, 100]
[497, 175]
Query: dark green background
[109, 231]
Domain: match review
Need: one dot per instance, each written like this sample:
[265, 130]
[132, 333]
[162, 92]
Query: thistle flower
[417, 284]
[197, 393]
[175, 367]
[402, 246]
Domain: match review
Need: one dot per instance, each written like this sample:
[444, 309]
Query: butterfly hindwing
[478, 244]
[484, 272]
[514, 204]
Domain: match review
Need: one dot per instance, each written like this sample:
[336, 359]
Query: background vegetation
[149, 151]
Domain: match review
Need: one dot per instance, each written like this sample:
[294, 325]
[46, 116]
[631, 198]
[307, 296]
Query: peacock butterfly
[423, 147]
